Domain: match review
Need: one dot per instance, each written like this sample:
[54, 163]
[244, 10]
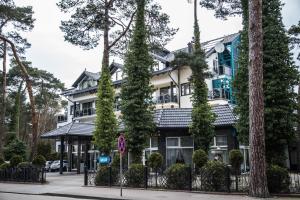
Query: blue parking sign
[104, 159]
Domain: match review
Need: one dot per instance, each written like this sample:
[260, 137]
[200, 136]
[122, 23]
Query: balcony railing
[85, 112]
[224, 70]
[165, 99]
[62, 118]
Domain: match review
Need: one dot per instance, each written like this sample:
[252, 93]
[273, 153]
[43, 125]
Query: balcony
[222, 70]
[85, 112]
[165, 99]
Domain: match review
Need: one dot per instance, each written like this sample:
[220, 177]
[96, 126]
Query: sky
[50, 52]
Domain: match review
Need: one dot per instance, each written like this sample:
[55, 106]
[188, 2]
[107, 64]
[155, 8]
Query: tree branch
[123, 33]
[25, 74]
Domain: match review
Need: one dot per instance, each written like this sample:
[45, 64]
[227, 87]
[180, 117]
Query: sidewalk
[69, 186]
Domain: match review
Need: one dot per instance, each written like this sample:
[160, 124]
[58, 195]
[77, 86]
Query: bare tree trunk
[298, 131]
[3, 110]
[34, 118]
[18, 110]
[105, 61]
[258, 178]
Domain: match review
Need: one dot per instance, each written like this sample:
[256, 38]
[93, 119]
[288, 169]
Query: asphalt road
[11, 196]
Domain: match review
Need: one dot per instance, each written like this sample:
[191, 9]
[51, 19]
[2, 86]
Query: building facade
[172, 100]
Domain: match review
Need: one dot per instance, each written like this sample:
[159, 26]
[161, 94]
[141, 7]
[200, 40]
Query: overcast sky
[49, 51]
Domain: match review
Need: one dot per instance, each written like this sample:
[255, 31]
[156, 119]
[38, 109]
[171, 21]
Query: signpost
[121, 148]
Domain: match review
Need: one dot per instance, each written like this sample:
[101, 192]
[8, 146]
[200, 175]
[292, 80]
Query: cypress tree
[241, 81]
[201, 127]
[136, 92]
[106, 123]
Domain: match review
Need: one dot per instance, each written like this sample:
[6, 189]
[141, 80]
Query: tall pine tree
[136, 92]
[280, 76]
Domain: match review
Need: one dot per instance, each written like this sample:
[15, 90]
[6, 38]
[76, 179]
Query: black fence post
[110, 178]
[42, 174]
[190, 178]
[227, 179]
[146, 176]
[85, 175]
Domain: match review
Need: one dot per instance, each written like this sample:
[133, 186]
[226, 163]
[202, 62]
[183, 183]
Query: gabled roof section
[208, 46]
[114, 67]
[91, 75]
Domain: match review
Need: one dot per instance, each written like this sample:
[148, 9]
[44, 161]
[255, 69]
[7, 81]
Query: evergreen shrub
[200, 158]
[39, 161]
[213, 176]
[278, 179]
[4, 166]
[177, 176]
[15, 160]
[155, 160]
[135, 175]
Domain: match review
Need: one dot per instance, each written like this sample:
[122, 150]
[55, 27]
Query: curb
[80, 196]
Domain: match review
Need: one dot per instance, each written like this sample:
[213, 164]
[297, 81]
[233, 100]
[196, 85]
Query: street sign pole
[121, 174]
[121, 147]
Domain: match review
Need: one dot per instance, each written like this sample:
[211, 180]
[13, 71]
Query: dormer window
[86, 84]
[157, 66]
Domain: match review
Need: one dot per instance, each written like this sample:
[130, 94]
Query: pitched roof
[208, 46]
[181, 117]
[91, 75]
[163, 118]
[71, 129]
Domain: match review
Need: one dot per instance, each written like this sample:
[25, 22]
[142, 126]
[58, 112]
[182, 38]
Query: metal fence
[190, 180]
[28, 174]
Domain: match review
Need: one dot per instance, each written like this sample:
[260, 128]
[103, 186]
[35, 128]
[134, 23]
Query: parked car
[48, 164]
[56, 165]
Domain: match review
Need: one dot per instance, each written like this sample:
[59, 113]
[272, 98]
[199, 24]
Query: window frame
[183, 89]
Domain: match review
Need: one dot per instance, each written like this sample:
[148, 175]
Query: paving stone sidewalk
[71, 186]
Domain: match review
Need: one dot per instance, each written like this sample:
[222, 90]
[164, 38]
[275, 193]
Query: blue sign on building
[104, 159]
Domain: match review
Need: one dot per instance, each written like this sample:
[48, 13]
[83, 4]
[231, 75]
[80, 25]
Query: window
[72, 110]
[221, 140]
[215, 66]
[118, 75]
[87, 108]
[117, 103]
[152, 146]
[179, 148]
[186, 89]
[157, 66]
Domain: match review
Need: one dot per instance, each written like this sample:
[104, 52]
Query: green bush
[24, 165]
[200, 158]
[155, 160]
[135, 175]
[15, 147]
[236, 159]
[278, 179]
[213, 176]
[54, 156]
[4, 166]
[1, 160]
[102, 176]
[177, 176]
[39, 161]
[15, 160]
[44, 149]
